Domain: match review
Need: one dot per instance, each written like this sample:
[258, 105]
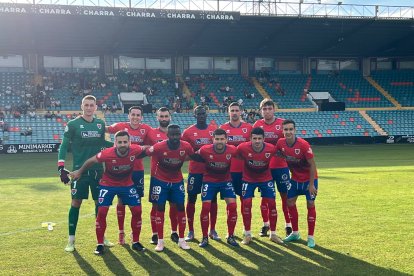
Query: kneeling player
[117, 180]
[256, 155]
[218, 158]
[304, 181]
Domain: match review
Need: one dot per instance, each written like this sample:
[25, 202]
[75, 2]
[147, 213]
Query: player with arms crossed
[198, 135]
[237, 133]
[86, 135]
[167, 180]
[138, 133]
[256, 156]
[272, 127]
[218, 158]
[157, 135]
[300, 159]
[117, 180]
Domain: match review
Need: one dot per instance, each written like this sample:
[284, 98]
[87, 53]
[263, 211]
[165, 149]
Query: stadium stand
[395, 122]
[215, 87]
[398, 83]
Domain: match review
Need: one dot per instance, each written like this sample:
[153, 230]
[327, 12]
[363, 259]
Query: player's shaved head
[89, 97]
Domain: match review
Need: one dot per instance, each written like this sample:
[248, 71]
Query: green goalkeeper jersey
[86, 139]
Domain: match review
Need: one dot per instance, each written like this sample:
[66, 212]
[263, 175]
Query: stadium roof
[247, 36]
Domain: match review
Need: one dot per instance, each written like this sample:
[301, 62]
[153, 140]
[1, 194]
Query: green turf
[365, 224]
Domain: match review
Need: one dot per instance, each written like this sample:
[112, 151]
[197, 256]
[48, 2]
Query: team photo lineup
[225, 163]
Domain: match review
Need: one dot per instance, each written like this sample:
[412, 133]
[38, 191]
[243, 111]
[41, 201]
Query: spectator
[17, 114]
[48, 115]
[32, 114]
[7, 108]
[27, 132]
[2, 115]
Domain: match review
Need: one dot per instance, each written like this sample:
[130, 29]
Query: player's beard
[164, 123]
[122, 150]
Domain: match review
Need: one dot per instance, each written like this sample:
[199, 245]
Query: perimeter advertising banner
[62, 10]
[29, 148]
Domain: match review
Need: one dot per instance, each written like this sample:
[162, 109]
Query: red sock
[100, 223]
[136, 222]
[271, 203]
[181, 223]
[153, 216]
[264, 209]
[213, 215]
[247, 213]
[293, 213]
[120, 214]
[311, 220]
[204, 217]
[190, 215]
[160, 224]
[173, 217]
[285, 207]
[231, 217]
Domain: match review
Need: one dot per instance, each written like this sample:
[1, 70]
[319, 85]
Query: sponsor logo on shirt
[90, 134]
[202, 141]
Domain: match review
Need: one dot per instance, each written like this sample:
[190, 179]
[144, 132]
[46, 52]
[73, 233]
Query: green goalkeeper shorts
[89, 179]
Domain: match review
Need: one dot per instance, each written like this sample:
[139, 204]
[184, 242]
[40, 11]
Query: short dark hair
[135, 107]
[121, 133]
[267, 102]
[257, 131]
[163, 109]
[220, 131]
[289, 121]
[199, 107]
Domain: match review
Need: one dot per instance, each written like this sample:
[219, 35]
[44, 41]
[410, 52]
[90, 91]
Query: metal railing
[247, 7]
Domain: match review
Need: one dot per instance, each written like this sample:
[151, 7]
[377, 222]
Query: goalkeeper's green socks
[73, 220]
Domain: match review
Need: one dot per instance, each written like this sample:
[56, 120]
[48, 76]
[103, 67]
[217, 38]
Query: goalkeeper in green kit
[86, 136]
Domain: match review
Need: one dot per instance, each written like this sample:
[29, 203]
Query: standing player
[138, 133]
[256, 156]
[157, 135]
[117, 180]
[218, 158]
[237, 133]
[167, 181]
[272, 127]
[300, 159]
[198, 135]
[86, 135]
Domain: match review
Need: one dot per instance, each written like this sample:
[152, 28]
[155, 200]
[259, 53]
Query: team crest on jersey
[267, 154]
[182, 152]
[132, 158]
[155, 197]
[74, 191]
[284, 176]
[297, 151]
[100, 200]
[228, 156]
[243, 193]
[66, 128]
[142, 131]
[211, 133]
[278, 127]
[204, 194]
[99, 126]
[244, 130]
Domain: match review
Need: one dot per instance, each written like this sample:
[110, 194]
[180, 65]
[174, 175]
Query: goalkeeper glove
[64, 174]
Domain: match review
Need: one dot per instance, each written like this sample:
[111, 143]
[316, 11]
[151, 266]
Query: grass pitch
[365, 224]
